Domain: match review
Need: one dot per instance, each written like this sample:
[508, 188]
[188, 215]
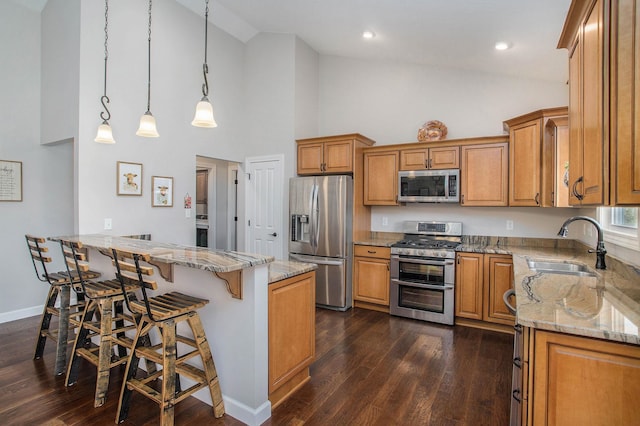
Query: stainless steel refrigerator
[320, 215]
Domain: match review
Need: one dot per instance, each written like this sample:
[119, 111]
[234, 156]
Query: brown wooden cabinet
[484, 175]
[534, 145]
[381, 178]
[481, 280]
[625, 95]
[579, 381]
[371, 277]
[330, 155]
[291, 334]
[430, 158]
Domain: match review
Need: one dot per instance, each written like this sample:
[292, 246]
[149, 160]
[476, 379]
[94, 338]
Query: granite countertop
[380, 239]
[605, 305]
[283, 269]
[191, 257]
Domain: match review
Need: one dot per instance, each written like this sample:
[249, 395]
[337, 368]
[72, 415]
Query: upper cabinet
[381, 178]
[330, 155]
[604, 162]
[484, 174]
[537, 142]
[430, 158]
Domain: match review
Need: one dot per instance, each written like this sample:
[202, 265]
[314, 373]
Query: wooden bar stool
[68, 315]
[164, 312]
[105, 302]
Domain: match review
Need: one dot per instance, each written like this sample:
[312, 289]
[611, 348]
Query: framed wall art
[10, 180]
[162, 195]
[129, 178]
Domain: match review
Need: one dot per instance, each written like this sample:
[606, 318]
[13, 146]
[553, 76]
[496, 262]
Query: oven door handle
[446, 262]
[425, 286]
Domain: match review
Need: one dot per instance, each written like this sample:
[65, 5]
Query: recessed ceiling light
[368, 35]
[502, 45]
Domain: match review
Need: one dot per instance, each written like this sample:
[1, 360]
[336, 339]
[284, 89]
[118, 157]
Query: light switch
[107, 224]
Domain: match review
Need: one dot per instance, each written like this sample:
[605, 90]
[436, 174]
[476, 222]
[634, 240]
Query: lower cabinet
[292, 334]
[573, 380]
[371, 277]
[481, 280]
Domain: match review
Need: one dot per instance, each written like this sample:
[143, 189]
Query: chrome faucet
[600, 250]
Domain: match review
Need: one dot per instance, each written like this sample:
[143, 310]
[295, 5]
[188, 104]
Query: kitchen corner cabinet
[430, 158]
[481, 280]
[484, 175]
[292, 334]
[532, 157]
[381, 178]
[329, 155]
[574, 380]
[371, 277]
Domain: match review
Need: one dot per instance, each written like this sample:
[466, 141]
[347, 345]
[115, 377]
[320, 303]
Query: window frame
[618, 235]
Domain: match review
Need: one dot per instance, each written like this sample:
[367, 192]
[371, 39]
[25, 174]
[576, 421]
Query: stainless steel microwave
[429, 186]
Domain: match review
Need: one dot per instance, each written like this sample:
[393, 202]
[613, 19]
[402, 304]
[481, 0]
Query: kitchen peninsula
[236, 318]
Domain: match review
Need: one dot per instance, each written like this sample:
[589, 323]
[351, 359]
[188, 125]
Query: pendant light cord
[149, 64]
[105, 99]
[205, 67]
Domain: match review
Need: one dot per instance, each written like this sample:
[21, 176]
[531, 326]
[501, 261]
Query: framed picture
[129, 178]
[10, 180]
[162, 194]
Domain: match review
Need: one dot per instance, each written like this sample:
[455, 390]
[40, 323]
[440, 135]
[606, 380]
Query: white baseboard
[20, 314]
[236, 409]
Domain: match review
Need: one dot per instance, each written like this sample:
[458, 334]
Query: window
[620, 225]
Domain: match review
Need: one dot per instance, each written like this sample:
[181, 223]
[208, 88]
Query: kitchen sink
[559, 267]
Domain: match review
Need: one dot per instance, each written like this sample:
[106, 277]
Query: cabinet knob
[574, 189]
[462, 199]
[537, 198]
[371, 251]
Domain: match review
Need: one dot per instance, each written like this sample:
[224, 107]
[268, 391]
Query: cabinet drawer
[372, 251]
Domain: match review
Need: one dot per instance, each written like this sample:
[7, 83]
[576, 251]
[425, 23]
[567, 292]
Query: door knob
[275, 234]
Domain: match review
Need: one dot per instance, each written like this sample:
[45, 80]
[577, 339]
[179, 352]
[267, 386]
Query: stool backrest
[76, 263]
[130, 271]
[39, 259]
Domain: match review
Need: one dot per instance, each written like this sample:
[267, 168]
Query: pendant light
[147, 126]
[105, 135]
[204, 109]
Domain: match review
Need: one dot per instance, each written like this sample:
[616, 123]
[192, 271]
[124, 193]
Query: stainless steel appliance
[321, 210]
[429, 186]
[202, 230]
[423, 271]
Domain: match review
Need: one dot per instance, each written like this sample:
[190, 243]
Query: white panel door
[264, 206]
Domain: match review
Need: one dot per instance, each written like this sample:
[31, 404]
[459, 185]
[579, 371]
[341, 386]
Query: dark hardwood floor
[370, 369]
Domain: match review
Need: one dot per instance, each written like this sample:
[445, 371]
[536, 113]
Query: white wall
[389, 102]
[47, 206]
[177, 53]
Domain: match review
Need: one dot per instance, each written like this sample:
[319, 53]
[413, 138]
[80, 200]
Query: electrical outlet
[385, 221]
[107, 224]
[587, 230]
[509, 225]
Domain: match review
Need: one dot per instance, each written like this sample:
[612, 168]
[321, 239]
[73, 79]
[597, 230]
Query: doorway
[216, 203]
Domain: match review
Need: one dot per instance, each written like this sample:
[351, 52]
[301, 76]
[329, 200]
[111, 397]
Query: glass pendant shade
[147, 126]
[104, 134]
[204, 114]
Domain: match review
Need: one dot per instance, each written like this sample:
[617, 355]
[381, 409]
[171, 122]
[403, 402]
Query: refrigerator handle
[315, 229]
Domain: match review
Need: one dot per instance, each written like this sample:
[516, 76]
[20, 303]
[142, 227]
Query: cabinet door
[594, 149]
[381, 178]
[310, 158]
[484, 175]
[524, 164]
[371, 280]
[468, 288]
[338, 157]
[582, 381]
[447, 157]
[575, 121]
[291, 327]
[498, 278]
[626, 92]
[414, 159]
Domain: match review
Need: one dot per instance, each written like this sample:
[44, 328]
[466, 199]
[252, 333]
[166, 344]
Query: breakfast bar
[235, 320]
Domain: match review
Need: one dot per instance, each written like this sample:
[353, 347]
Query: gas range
[429, 239]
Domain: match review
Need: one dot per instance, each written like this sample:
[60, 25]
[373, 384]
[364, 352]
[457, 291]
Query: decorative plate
[433, 130]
